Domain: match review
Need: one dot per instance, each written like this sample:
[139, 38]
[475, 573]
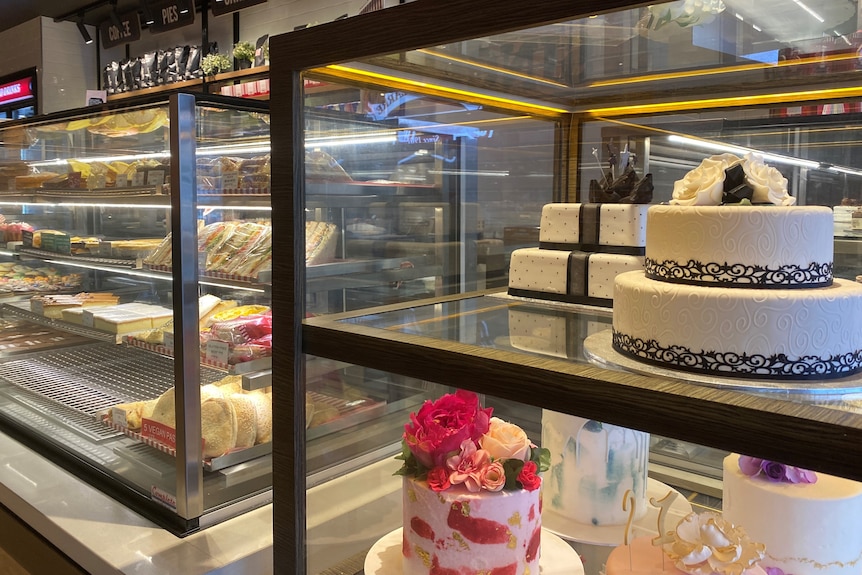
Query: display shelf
[242, 368]
[82, 259]
[434, 342]
[172, 87]
[88, 333]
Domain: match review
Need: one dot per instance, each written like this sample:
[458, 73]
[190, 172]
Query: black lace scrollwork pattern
[740, 275]
[727, 364]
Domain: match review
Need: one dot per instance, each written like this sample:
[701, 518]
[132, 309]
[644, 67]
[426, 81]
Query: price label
[88, 319]
[118, 416]
[230, 181]
[95, 182]
[218, 351]
[155, 177]
[122, 181]
[138, 178]
[169, 341]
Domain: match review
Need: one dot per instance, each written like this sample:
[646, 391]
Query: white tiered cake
[740, 290]
[582, 247]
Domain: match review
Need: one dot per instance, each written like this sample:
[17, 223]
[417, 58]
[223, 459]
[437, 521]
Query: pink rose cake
[472, 498]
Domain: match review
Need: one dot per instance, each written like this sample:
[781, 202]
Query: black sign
[227, 6]
[171, 14]
[129, 30]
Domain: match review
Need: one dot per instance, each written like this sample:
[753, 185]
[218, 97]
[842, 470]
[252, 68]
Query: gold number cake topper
[664, 505]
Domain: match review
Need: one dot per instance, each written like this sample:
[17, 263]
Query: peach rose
[506, 441]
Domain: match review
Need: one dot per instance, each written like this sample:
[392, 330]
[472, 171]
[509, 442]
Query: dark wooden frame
[809, 435]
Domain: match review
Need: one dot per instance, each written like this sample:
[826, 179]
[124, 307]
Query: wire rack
[91, 379]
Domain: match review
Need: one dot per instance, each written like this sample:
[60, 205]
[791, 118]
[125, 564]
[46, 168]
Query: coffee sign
[129, 30]
[227, 6]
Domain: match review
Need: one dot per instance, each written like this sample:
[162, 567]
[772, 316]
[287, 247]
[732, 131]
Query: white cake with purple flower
[810, 523]
[471, 491]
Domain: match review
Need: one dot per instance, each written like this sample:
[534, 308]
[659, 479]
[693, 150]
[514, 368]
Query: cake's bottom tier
[781, 334]
[808, 528]
[456, 531]
[576, 277]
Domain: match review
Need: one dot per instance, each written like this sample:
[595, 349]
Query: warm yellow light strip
[346, 71]
[491, 68]
[732, 101]
[726, 70]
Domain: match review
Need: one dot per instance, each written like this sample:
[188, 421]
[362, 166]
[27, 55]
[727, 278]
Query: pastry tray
[233, 369]
[209, 464]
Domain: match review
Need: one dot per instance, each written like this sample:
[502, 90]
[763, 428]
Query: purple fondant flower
[773, 570]
[774, 471]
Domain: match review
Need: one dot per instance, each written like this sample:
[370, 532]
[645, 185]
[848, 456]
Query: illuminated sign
[16, 91]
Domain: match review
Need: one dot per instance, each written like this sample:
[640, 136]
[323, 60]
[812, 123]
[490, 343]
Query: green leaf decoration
[512, 467]
[542, 458]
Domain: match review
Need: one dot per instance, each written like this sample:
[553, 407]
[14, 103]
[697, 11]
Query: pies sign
[171, 14]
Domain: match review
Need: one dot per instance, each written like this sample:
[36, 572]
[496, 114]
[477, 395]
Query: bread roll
[218, 426]
[246, 419]
[164, 410]
[263, 415]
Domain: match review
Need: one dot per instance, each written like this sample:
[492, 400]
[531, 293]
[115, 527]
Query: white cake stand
[598, 349]
[558, 558]
[612, 535]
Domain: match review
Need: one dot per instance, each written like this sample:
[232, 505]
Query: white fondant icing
[621, 224]
[763, 236]
[795, 322]
[539, 270]
[808, 529]
[592, 466]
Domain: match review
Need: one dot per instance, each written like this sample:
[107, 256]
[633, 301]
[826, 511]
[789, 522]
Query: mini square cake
[594, 227]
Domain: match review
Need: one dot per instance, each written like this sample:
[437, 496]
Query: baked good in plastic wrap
[248, 337]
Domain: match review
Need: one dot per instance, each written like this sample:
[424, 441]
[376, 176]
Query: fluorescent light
[370, 138]
[813, 14]
[128, 272]
[104, 205]
[741, 150]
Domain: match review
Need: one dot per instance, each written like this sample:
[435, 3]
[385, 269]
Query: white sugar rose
[768, 184]
[506, 441]
[704, 185]
[707, 544]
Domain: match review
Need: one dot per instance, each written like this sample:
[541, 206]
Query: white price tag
[118, 416]
[169, 341]
[218, 351]
[138, 178]
[155, 177]
[88, 319]
[98, 182]
[122, 181]
[230, 181]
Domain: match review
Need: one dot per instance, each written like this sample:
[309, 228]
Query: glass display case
[136, 316]
[502, 108]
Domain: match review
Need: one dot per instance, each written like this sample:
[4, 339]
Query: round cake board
[612, 535]
[598, 349]
[558, 558]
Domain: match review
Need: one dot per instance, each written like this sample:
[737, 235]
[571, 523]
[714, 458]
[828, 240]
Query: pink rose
[493, 477]
[438, 479]
[528, 478]
[467, 466]
[439, 428]
[506, 441]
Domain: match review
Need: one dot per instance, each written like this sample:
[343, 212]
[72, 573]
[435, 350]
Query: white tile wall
[26, 39]
[68, 66]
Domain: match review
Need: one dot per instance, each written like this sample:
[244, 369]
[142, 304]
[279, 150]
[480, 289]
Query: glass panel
[88, 369]
[412, 197]
[235, 277]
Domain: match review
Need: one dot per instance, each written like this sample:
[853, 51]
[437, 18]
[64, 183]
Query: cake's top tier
[740, 246]
[619, 228]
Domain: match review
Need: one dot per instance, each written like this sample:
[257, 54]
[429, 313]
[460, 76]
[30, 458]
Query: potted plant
[214, 63]
[244, 54]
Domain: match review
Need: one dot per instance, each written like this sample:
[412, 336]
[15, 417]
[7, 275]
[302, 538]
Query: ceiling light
[84, 34]
[115, 18]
